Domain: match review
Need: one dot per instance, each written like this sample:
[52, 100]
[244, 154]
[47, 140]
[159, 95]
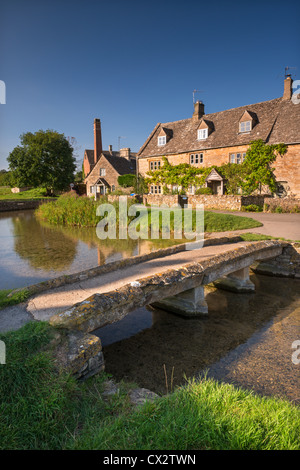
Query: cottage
[218, 138]
[103, 167]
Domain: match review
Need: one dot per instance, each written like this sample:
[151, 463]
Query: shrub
[252, 208]
[127, 180]
[203, 191]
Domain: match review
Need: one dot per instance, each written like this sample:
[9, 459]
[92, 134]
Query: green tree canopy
[44, 158]
[5, 178]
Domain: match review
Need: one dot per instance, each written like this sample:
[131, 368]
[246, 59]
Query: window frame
[154, 165]
[233, 157]
[196, 158]
[244, 124]
[155, 189]
[202, 134]
[161, 140]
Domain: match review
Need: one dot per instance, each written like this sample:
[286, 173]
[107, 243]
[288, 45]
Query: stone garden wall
[285, 204]
[17, 205]
[210, 201]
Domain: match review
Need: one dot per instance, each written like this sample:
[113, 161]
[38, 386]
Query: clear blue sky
[135, 63]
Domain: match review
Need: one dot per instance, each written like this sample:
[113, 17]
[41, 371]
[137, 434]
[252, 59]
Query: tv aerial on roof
[286, 71]
[119, 140]
[196, 91]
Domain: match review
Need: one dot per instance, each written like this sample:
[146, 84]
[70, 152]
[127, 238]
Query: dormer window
[202, 134]
[245, 126]
[164, 136]
[247, 121]
[204, 129]
[162, 140]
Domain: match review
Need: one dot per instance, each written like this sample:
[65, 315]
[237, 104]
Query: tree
[126, 181]
[257, 166]
[5, 178]
[44, 158]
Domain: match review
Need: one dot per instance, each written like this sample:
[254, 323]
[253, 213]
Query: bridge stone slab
[101, 309]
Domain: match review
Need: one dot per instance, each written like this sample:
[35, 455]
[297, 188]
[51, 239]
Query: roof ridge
[223, 111]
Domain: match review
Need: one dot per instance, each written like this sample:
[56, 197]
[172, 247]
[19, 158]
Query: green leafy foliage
[256, 171]
[127, 181]
[44, 158]
[257, 167]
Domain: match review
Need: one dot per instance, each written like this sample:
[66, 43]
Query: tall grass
[73, 210]
[202, 415]
[43, 408]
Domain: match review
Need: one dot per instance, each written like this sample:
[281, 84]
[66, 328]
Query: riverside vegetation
[70, 209]
[45, 408]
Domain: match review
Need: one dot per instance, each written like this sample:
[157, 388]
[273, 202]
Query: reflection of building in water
[41, 246]
[111, 253]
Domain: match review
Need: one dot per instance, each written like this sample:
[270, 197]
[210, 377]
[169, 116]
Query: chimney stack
[198, 111]
[97, 140]
[125, 153]
[110, 149]
[288, 88]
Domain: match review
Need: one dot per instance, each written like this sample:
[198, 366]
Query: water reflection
[32, 251]
[42, 247]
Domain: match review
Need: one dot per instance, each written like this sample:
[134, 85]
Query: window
[113, 187]
[102, 171]
[202, 134]
[237, 157]
[196, 158]
[155, 165]
[162, 140]
[245, 126]
[155, 189]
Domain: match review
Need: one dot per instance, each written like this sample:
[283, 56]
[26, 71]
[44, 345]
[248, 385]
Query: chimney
[125, 153]
[97, 140]
[198, 111]
[110, 149]
[288, 88]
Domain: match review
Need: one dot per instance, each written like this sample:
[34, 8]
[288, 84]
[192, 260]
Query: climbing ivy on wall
[246, 177]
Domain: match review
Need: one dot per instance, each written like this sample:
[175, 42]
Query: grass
[42, 408]
[7, 300]
[36, 193]
[253, 237]
[218, 222]
[81, 211]
[202, 415]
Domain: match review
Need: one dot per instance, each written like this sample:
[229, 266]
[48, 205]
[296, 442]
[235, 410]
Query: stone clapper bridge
[180, 291]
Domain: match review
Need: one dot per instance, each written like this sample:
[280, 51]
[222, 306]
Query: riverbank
[70, 209]
[43, 408]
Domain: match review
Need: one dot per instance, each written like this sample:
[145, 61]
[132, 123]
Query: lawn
[44, 408]
[36, 193]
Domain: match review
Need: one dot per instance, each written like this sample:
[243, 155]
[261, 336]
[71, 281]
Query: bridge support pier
[237, 281]
[188, 303]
